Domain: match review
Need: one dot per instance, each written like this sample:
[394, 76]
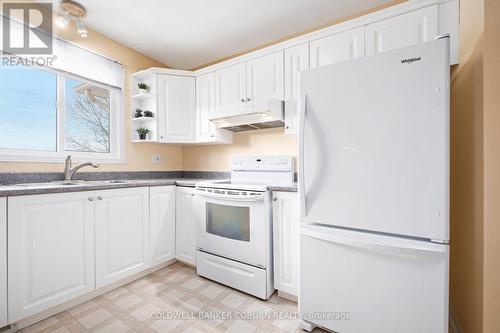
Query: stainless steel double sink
[59, 183]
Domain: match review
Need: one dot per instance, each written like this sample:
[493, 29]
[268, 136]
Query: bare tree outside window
[87, 110]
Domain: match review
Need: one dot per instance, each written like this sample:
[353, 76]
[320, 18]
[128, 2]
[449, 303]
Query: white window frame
[116, 130]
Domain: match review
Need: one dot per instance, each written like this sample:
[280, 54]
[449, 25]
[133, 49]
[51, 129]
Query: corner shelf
[143, 96]
[144, 141]
[140, 119]
[146, 101]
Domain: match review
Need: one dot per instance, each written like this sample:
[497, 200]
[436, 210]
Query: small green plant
[148, 114]
[143, 86]
[138, 113]
[143, 131]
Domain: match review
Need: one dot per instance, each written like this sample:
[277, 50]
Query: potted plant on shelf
[143, 88]
[143, 132]
[138, 113]
[148, 114]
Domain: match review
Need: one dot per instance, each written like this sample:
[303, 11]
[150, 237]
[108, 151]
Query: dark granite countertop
[59, 187]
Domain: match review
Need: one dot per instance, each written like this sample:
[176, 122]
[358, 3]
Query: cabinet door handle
[248, 99]
[212, 135]
[243, 100]
[91, 199]
[287, 127]
[275, 199]
[99, 197]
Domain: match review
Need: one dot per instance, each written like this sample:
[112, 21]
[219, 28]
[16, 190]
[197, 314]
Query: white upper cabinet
[408, 29]
[121, 233]
[206, 132]
[286, 241]
[256, 80]
[3, 262]
[51, 251]
[161, 224]
[176, 109]
[296, 60]
[205, 105]
[186, 225]
[265, 78]
[230, 87]
[342, 46]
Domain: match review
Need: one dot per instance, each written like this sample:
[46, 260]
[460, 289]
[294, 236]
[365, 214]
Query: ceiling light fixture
[63, 20]
[80, 28]
[72, 11]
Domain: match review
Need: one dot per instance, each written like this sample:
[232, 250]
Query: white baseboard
[287, 296]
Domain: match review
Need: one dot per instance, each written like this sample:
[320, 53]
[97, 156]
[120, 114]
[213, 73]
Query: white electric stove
[234, 234]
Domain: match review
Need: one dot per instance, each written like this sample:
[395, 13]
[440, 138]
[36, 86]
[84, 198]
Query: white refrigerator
[374, 190]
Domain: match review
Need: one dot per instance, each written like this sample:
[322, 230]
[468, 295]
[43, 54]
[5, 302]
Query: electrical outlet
[155, 159]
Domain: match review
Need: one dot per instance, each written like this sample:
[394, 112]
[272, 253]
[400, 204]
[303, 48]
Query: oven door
[234, 224]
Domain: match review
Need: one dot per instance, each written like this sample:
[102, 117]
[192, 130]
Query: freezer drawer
[250, 279]
[381, 283]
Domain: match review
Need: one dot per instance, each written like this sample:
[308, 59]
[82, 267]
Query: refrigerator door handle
[397, 250]
[302, 122]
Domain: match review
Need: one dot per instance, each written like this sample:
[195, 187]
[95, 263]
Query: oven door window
[228, 221]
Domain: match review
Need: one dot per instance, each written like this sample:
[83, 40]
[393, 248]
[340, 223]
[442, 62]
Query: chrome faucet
[69, 171]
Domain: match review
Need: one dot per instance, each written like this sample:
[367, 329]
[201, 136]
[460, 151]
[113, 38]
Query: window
[46, 115]
[28, 113]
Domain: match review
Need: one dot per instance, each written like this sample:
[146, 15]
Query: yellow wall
[218, 158]
[491, 298]
[138, 156]
[466, 270]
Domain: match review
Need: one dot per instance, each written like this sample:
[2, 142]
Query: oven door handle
[229, 197]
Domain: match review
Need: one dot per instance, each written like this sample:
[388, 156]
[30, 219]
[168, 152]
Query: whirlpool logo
[410, 61]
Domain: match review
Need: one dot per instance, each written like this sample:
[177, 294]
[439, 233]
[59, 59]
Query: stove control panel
[262, 163]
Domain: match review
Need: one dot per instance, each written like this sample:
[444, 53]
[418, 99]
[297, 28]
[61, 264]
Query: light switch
[155, 159]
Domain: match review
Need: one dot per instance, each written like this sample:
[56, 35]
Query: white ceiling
[185, 34]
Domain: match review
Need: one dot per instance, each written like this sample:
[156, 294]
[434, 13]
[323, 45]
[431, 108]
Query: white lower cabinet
[286, 241]
[185, 221]
[121, 234]
[3, 262]
[50, 251]
[161, 224]
[62, 246]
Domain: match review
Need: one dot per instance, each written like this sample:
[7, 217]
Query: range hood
[257, 115]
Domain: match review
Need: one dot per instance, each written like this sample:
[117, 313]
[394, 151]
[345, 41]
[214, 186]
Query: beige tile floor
[173, 292]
